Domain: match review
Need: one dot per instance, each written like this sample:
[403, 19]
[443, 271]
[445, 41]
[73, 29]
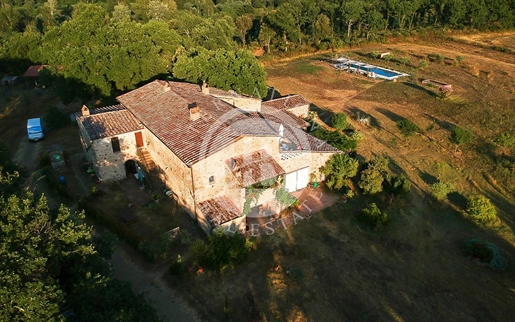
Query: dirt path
[167, 304]
[27, 154]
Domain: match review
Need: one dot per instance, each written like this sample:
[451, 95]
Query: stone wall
[312, 159]
[245, 103]
[301, 111]
[224, 182]
[174, 173]
[111, 165]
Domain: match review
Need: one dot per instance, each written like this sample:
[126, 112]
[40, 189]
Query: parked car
[56, 157]
[34, 129]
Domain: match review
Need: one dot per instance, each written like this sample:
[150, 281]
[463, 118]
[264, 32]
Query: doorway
[139, 139]
[130, 168]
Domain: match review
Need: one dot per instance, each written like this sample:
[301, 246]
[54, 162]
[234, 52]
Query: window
[115, 144]
[211, 179]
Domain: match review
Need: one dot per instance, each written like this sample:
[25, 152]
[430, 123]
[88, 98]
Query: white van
[34, 129]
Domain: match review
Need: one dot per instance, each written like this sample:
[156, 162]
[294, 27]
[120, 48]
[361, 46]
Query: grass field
[332, 269]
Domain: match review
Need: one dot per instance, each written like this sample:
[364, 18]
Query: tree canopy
[107, 46]
[51, 268]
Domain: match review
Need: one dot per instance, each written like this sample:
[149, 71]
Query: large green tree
[236, 70]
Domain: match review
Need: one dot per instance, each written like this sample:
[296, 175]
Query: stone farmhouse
[207, 145]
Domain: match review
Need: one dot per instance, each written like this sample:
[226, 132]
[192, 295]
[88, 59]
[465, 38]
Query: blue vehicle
[34, 129]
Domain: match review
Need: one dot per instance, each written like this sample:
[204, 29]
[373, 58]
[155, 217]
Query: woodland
[96, 48]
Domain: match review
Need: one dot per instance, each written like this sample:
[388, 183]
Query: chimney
[84, 110]
[194, 111]
[166, 87]
[205, 88]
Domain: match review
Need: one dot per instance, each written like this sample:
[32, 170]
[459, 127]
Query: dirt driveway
[169, 304]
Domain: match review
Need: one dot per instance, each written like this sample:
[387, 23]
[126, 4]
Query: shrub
[404, 60]
[407, 128]
[481, 209]
[336, 139]
[486, 252]
[440, 58]
[339, 121]
[460, 59]
[372, 216]
[423, 64]
[221, 250]
[177, 268]
[460, 136]
[398, 186]
[440, 190]
[506, 140]
[357, 135]
[155, 249]
[55, 118]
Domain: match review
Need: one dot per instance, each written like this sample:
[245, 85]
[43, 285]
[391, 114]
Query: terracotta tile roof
[108, 121]
[33, 71]
[220, 92]
[287, 102]
[163, 109]
[254, 167]
[219, 210]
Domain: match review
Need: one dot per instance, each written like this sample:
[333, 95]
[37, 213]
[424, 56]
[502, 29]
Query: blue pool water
[379, 72]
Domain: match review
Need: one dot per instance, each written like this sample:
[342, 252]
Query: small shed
[32, 73]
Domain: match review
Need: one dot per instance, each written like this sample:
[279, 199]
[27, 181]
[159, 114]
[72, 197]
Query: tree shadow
[356, 113]
[427, 177]
[324, 114]
[457, 199]
[394, 117]
[421, 88]
[441, 123]
[272, 93]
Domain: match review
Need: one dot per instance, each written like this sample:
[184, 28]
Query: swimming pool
[366, 69]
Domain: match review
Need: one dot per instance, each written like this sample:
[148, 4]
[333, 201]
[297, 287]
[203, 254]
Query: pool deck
[363, 68]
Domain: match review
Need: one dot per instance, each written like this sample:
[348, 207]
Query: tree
[440, 190]
[103, 56]
[223, 69]
[460, 136]
[339, 121]
[266, 34]
[398, 186]
[338, 169]
[481, 209]
[243, 23]
[407, 128]
[373, 176]
[352, 12]
[322, 29]
[48, 262]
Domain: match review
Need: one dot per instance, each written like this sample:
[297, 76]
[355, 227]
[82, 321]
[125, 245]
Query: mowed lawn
[329, 267]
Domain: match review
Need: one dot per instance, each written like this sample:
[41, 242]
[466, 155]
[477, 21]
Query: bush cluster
[486, 252]
[339, 121]
[481, 209]
[338, 140]
[372, 216]
[221, 250]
